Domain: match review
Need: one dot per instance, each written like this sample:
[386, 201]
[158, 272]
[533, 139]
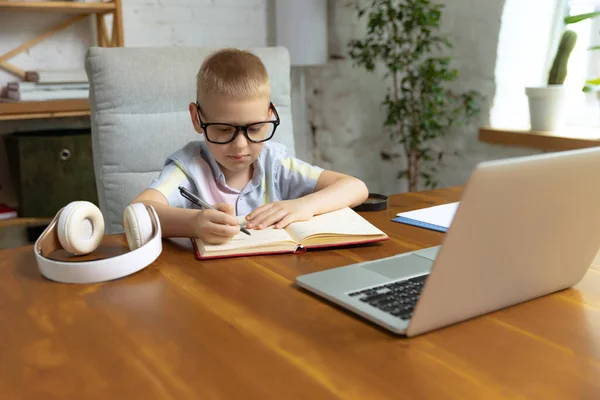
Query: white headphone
[79, 227]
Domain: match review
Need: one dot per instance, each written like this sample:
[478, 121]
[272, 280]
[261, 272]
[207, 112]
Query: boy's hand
[216, 227]
[280, 213]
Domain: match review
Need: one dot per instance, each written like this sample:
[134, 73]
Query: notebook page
[258, 238]
[341, 222]
[441, 215]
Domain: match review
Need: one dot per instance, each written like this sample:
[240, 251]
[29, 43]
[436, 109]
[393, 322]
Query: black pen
[202, 204]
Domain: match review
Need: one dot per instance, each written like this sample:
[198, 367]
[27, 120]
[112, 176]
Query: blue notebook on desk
[436, 218]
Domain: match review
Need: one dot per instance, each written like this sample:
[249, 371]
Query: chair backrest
[139, 101]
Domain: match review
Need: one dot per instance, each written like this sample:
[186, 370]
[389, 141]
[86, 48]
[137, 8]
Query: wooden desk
[240, 329]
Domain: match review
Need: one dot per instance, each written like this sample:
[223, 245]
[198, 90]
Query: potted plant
[548, 104]
[401, 37]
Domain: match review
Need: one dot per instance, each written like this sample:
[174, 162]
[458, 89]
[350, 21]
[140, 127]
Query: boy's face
[238, 155]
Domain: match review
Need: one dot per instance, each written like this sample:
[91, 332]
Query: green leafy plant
[403, 37]
[591, 85]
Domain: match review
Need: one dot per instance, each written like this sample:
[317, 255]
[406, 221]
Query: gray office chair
[139, 101]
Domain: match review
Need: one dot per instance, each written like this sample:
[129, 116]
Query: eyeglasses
[256, 132]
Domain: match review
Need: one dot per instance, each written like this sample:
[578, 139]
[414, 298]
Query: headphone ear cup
[80, 227]
[138, 225]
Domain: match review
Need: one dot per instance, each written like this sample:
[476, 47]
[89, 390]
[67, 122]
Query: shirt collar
[214, 165]
[218, 175]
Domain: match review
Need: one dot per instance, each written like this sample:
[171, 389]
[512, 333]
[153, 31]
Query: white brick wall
[196, 23]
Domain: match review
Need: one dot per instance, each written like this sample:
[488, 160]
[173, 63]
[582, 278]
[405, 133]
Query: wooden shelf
[43, 109]
[81, 11]
[569, 139]
[23, 221]
[65, 7]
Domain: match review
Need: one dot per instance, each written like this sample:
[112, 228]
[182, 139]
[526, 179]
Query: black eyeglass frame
[238, 128]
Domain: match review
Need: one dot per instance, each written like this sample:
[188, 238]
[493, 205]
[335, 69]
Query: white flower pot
[547, 107]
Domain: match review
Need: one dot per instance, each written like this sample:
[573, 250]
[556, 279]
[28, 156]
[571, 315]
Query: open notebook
[337, 228]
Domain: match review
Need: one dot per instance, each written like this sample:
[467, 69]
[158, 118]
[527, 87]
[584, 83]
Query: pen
[201, 203]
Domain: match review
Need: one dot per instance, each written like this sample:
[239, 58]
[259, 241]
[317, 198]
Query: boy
[237, 168]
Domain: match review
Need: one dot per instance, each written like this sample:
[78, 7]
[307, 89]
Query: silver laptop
[525, 227]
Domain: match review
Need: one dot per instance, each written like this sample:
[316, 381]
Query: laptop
[525, 227]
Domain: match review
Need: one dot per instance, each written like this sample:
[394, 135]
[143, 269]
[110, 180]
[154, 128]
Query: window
[584, 108]
[528, 30]
[528, 39]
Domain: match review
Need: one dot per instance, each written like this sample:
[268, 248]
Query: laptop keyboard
[396, 298]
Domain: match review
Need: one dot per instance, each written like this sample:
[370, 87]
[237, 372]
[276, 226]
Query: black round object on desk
[375, 202]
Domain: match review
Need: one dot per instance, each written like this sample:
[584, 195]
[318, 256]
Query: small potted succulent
[548, 104]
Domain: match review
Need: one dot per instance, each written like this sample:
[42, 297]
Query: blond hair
[233, 72]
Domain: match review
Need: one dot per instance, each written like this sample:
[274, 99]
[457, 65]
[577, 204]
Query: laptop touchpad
[401, 266]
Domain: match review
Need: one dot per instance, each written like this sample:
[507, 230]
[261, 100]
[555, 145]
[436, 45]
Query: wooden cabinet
[79, 10]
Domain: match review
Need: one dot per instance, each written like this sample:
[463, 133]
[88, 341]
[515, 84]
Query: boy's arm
[332, 192]
[211, 226]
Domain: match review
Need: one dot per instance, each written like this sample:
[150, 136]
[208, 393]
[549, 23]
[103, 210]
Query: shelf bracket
[101, 31]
